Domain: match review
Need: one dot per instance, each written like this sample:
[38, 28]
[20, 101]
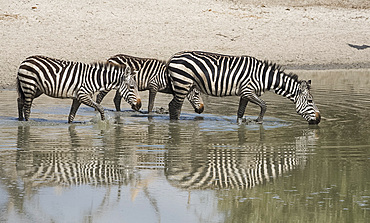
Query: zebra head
[305, 105]
[128, 89]
[195, 100]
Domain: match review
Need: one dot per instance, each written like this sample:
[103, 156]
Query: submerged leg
[241, 110]
[75, 105]
[117, 101]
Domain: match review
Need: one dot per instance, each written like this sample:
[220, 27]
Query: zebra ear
[309, 84]
[302, 86]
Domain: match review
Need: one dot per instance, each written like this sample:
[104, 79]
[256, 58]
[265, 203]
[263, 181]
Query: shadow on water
[200, 168]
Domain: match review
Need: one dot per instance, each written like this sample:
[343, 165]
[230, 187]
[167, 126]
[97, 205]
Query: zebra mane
[277, 67]
[293, 76]
[142, 59]
[107, 65]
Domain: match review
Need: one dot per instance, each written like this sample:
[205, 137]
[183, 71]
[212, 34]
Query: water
[203, 168]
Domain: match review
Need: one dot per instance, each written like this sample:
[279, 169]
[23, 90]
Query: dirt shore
[312, 36]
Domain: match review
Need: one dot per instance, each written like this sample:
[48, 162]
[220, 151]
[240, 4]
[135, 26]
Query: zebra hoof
[258, 121]
[241, 121]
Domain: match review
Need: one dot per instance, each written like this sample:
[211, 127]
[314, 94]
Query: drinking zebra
[244, 76]
[152, 75]
[65, 79]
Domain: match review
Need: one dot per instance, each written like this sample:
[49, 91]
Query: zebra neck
[284, 84]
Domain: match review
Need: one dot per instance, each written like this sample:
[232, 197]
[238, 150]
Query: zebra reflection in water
[188, 160]
[66, 159]
[112, 160]
[243, 166]
[82, 164]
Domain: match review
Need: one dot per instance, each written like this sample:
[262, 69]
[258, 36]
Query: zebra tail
[20, 100]
[19, 90]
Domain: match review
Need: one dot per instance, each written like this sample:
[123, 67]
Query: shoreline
[328, 66]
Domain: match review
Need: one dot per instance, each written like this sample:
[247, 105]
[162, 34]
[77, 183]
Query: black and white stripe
[65, 79]
[230, 168]
[244, 76]
[152, 75]
[55, 168]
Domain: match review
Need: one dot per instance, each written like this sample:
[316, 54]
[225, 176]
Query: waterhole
[204, 167]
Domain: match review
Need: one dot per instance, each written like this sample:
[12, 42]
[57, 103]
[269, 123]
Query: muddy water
[203, 168]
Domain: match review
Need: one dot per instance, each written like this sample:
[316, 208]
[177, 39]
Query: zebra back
[150, 73]
[225, 75]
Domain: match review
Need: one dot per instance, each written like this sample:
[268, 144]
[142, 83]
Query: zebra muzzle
[200, 109]
[317, 119]
[137, 105]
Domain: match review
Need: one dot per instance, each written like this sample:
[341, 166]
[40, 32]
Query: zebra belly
[60, 92]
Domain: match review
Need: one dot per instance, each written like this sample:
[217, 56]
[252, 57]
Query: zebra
[66, 79]
[244, 76]
[152, 75]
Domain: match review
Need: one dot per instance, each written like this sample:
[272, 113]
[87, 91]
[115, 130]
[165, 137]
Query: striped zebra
[152, 75]
[65, 79]
[244, 76]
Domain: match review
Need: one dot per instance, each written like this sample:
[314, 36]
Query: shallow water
[203, 168]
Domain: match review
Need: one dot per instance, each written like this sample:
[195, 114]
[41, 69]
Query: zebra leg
[20, 101]
[75, 105]
[175, 108]
[117, 101]
[25, 103]
[87, 100]
[101, 95]
[152, 94]
[241, 110]
[178, 99]
[256, 100]
[27, 108]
